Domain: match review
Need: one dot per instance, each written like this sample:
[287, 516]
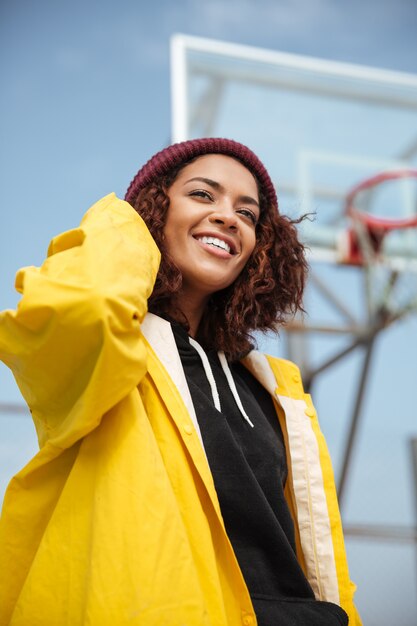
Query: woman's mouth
[225, 245]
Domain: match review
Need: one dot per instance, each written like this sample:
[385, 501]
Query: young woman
[182, 477]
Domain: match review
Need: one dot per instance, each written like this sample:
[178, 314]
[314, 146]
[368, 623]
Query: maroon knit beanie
[165, 160]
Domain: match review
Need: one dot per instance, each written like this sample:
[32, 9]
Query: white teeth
[214, 241]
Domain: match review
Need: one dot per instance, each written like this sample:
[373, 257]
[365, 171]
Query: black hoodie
[249, 470]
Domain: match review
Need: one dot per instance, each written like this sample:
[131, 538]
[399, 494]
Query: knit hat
[165, 160]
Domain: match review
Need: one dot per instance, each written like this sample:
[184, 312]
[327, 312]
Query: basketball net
[385, 248]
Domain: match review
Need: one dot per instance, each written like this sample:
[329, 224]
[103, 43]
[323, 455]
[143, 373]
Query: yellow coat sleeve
[74, 343]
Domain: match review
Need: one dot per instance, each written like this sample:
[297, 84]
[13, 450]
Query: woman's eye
[249, 214]
[202, 193]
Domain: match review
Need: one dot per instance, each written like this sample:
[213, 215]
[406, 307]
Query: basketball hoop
[390, 280]
[366, 235]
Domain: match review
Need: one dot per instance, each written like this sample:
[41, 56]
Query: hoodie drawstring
[209, 373]
[210, 377]
[232, 385]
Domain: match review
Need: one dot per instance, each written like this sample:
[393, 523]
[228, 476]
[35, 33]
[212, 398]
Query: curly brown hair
[268, 290]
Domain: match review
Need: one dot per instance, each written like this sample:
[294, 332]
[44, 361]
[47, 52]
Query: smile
[216, 242]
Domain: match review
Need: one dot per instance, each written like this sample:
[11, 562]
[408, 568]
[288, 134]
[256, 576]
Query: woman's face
[210, 228]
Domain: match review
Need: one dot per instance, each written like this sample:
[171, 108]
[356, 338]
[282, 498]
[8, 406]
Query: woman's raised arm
[74, 342]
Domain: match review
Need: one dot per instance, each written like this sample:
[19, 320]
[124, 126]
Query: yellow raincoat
[116, 520]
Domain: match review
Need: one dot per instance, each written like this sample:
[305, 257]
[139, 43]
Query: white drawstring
[229, 377]
[208, 371]
[230, 380]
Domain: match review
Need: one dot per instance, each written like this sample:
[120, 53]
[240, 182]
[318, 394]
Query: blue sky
[86, 100]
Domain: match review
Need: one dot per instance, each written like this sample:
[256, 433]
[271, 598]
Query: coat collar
[158, 333]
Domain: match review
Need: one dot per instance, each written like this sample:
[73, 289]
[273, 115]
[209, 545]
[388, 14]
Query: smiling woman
[182, 477]
[210, 231]
[229, 187]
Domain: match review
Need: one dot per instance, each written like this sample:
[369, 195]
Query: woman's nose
[227, 217]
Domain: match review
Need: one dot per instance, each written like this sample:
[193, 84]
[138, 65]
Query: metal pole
[331, 297]
[15, 408]
[413, 445]
[355, 417]
[310, 375]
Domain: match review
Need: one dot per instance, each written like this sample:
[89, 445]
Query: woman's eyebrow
[215, 185]
[210, 182]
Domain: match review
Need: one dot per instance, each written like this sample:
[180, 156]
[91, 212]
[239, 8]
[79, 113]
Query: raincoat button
[296, 378]
[188, 429]
[247, 620]
[310, 412]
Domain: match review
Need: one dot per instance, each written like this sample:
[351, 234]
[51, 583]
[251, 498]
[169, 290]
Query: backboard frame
[223, 61]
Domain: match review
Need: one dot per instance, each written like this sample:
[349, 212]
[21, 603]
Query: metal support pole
[413, 445]
[355, 417]
[14, 407]
[331, 297]
[310, 375]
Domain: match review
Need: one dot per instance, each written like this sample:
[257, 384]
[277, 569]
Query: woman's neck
[192, 307]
